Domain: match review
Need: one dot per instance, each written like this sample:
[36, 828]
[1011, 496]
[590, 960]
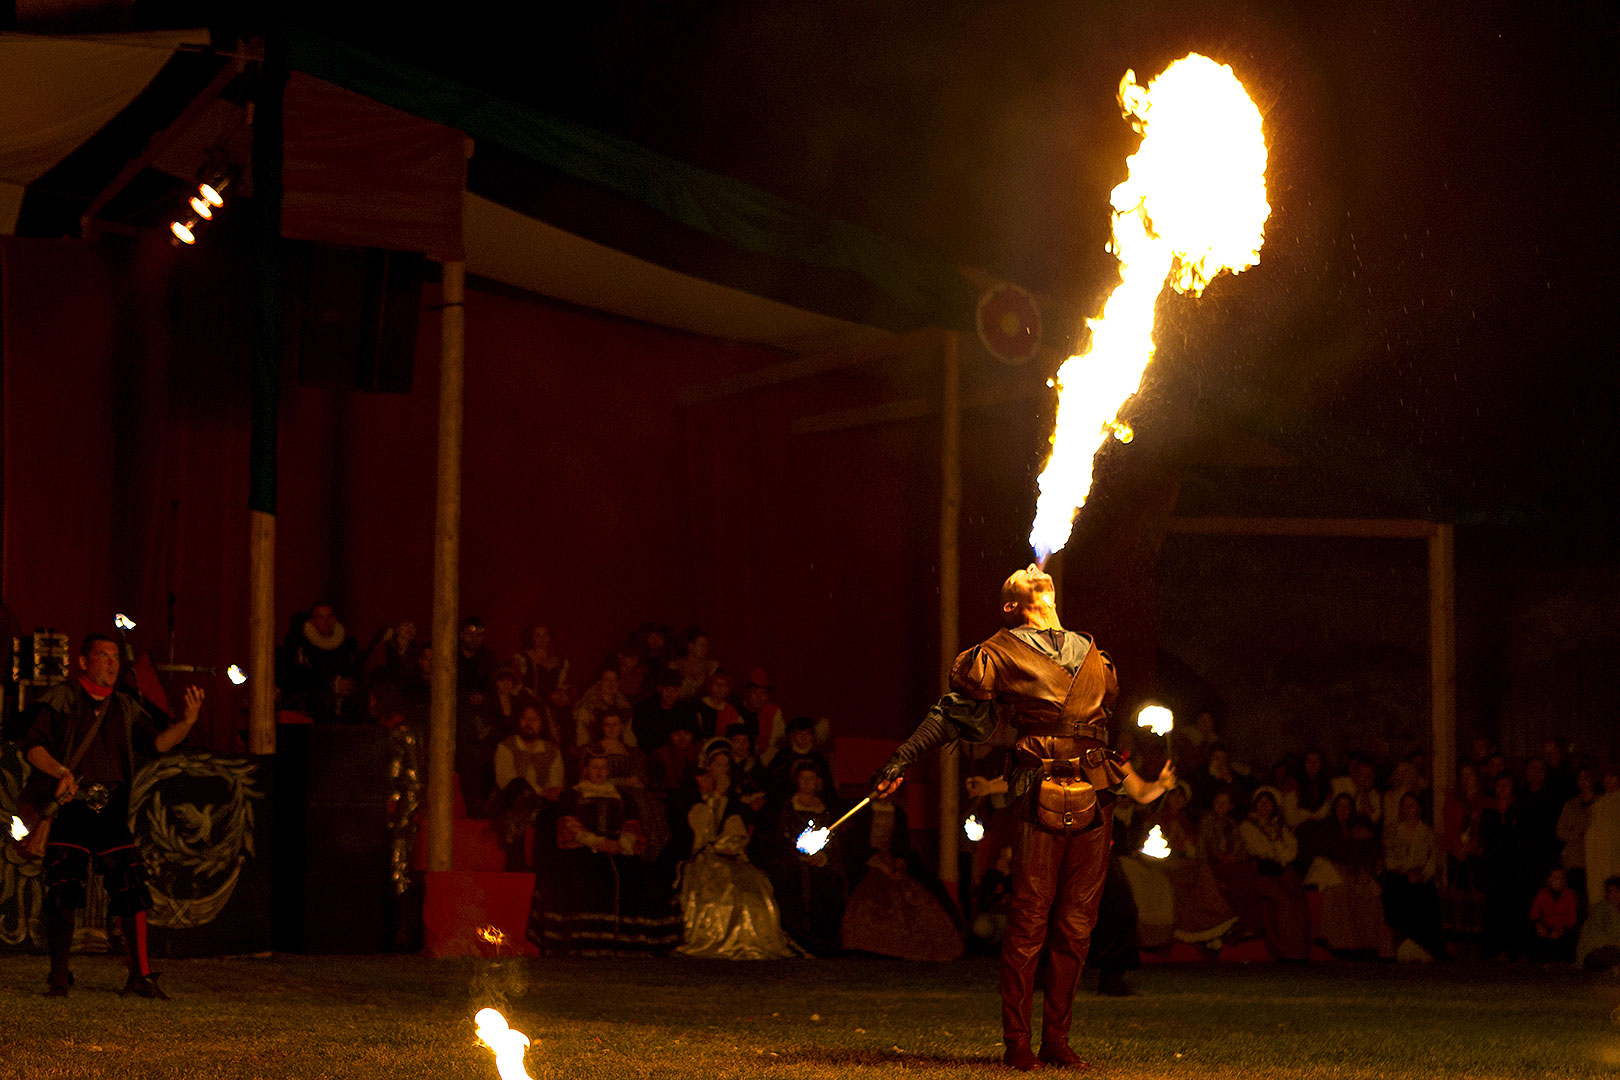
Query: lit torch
[508, 1045]
[19, 831]
[1156, 847]
[1159, 720]
[973, 828]
[1194, 204]
[813, 840]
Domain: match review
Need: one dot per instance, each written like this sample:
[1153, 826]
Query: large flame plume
[509, 1045]
[1193, 204]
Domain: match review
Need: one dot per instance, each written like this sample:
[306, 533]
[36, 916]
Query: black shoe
[1019, 1056]
[144, 986]
[58, 986]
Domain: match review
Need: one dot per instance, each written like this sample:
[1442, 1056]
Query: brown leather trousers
[1057, 885]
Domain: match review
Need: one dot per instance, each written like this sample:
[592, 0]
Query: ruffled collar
[328, 642]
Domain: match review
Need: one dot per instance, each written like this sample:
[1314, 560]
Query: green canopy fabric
[729, 210]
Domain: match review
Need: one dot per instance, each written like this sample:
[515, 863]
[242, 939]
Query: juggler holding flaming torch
[1063, 779]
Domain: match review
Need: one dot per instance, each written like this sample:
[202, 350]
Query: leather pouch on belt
[1065, 805]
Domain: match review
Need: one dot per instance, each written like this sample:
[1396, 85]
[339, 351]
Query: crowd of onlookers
[645, 790]
[1503, 873]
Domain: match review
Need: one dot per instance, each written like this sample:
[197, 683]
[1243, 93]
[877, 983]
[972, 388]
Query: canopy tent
[109, 132]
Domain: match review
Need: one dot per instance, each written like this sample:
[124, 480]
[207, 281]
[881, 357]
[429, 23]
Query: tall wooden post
[1443, 662]
[446, 569]
[261, 632]
[950, 507]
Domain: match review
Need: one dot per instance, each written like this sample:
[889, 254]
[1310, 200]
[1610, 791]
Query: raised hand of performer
[175, 733]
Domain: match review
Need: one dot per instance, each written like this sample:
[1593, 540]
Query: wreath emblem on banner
[194, 851]
[22, 882]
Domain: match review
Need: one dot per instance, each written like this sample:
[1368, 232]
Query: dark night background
[1427, 334]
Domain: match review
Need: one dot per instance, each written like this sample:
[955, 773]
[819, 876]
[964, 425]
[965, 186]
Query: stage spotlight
[236, 674]
[213, 198]
[123, 622]
[204, 211]
[182, 233]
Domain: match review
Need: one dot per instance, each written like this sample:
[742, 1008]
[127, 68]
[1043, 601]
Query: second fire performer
[1060, 690]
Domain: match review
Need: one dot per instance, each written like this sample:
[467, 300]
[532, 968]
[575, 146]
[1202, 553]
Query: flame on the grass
[812, 840]
[508, 1045]
[1194, 204]
[492, 934]
[19, 831]
[1156, 718]
[1156, 847]
[973, 828]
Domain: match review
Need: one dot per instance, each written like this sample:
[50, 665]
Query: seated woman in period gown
[600, 895]
[627, 771]
[810, 889]
[891, 912]
[1200, 912]
[728, 909]
[1344, 867]
[1273, 848]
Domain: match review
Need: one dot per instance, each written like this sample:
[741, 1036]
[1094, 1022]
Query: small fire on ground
[508, 1045]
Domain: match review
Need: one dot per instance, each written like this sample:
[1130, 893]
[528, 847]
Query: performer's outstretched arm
[1144, 791]
[954, 716]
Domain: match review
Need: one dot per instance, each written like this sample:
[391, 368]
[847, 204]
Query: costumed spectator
[479, 729]
[1403, 780]
[810, 889]
[396, 652]
[1572, 822]
[715, 711]
[602, 897]
[627, 769]
[656, 649]
[319, 668]
[799, 750]
[765, 716]
[1201, 914]
[1411, 900]
[1221, 846]
[601, 695]
[1344, 868]
[540, 670]
[502, 708]
[1553, 920]
[1541, 809]
[83, 745]
[1509, 873]
[1273, 847]
[890, 911]
[993, 900]
[475, 663]
[1560, 776]
[413, 687]
[656, 716]
[632, 670]
[697, 667]
[1220, 774]
[728, 908]
[1603, 838]
[1460, 838]
[746, 771]
[1599, 946]
[528, 782]
[1312, 792]
[1360, 782]
[673, 766]
[1196, 743]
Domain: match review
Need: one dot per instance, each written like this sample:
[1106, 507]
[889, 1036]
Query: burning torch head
[812, 840]
[1156, 718]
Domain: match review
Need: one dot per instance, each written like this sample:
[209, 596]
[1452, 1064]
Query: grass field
[401, 1017]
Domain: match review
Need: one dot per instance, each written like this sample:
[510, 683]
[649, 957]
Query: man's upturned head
[1024, 591]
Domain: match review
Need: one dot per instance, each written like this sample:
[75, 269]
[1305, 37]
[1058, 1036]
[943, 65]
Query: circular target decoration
[1009, 323]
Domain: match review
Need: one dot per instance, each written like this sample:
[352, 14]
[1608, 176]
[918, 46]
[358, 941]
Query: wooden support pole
[950, 510]
[446, 569]
[1443, 662]
[261, 632]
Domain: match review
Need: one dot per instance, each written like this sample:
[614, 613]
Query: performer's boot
[59, 942]
[141, 980]
[1019, 1056]
[1057, 1009]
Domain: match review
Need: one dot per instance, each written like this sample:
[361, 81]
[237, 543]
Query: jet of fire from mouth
[1193, 204]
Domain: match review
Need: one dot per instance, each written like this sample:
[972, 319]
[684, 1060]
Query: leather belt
[1064, 730]
[1073, 768]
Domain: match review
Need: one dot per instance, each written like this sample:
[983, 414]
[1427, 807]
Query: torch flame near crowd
[1193, 204]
